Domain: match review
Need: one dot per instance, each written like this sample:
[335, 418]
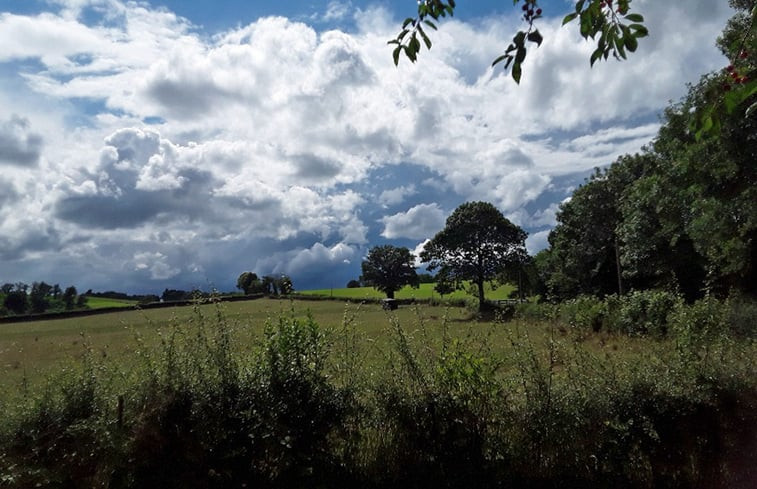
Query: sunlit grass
[424, 291]
[103, 302]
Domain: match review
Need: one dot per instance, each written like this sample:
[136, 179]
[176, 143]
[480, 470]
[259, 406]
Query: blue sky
[146, 145]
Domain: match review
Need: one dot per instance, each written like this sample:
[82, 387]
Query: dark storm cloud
[135, 207]
[8, 193]
[18, 145]
[31, 240]
[106, 212]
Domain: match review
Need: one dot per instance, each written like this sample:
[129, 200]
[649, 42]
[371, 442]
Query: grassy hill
[103, 302]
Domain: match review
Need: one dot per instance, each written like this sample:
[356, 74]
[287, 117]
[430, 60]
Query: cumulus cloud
[420, 221]
[18, 144]
[537, 241]
[148, 130]
[155, 264]
[396, 195]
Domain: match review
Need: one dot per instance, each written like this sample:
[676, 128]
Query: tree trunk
[390, 294]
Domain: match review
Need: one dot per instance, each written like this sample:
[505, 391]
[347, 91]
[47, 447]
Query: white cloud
[156, 264]
[18, 144]
[396, 195]
[537, 241]
[420, 221]
[138, 124]
[417, 252]
[337, 10]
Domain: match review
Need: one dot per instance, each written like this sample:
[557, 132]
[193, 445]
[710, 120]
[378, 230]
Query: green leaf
[536, 37]
[430, 24]
[425, 38]
[595, 56]
[516, 72]
[640, 30]
[634, 18]
[407, 22]
[520, 56]
[631, 43]
[396, 55]
[500, 59]
[569, 18]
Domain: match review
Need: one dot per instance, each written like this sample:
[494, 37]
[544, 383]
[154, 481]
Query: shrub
[584, 312]
[741, 316]
[645, 312]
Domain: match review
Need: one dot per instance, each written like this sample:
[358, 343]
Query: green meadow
[105, 302]
[30, 351]
[424, 291]
[329, 393]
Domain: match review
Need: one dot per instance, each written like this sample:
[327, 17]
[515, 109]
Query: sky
[161, 144]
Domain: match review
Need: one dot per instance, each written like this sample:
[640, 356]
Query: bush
[644, 312]
[584, 312]
[535, 311]
[438, 412]
[741, 316]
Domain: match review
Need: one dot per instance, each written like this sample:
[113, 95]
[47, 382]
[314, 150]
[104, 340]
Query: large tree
[476, 244]
[389, 268]
[249, 283]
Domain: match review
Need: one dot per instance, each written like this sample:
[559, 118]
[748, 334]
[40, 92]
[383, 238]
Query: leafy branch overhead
[610, 23]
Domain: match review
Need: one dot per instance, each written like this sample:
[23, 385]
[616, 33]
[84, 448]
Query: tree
[69, 297]
[353, 284]
[476, 244]
[268, 285]
[248, 283]
[284, 284]
[16, 301]
[389, 268]
[610, 22]
[38, 298]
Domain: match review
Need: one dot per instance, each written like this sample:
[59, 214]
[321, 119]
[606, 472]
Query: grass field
[103, 302]
[255, 370]
[425, 291]
[31, 350]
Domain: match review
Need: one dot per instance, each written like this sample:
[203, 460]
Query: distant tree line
[250, 283]
[110, 294]
[20, 298]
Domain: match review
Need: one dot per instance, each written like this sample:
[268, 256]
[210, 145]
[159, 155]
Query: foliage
[16, 301]
[735, 94]
[476, 244]
[42, 297]
[645, 312]
[438, 411]
[249, 283]
[679, 216]
[389, 268]
[614, 27]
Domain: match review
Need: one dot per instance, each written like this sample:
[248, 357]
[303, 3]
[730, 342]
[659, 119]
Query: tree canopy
[682, 215]
[389, 268]
[476, 244]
